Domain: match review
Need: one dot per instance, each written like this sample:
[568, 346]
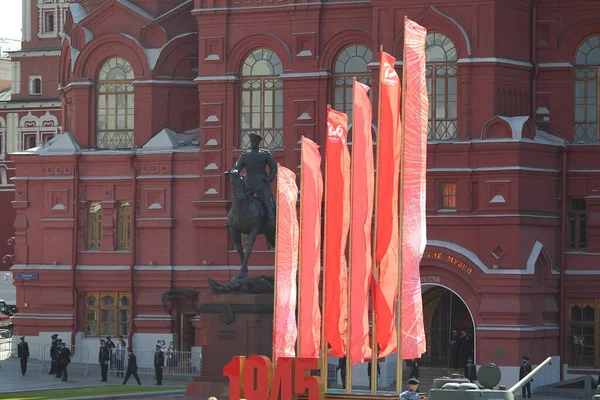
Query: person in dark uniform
[111, 351]
[369, 371]
[64, 359]
[57, 352]
[455, 351]
[411, 393]
[53, 354]
[414, 369]
[23, 353]
[342, 368]
[103, 359]
[470, 371]
[523, 372]
[159, 364]
[131, 367]
[466, 343]
[257, 180]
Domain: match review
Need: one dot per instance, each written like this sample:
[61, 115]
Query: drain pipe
[563, 242]
[75, 252]
[132, 245]
[533, 57]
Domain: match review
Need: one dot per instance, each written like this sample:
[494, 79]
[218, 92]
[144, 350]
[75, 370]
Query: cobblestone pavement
[38, 379]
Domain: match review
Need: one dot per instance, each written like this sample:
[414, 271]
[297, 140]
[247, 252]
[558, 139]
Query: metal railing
[176, 364]
[81, 356]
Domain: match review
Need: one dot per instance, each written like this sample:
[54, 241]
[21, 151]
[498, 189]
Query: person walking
[64, 359]
[159, 364]
[53, 354]
[411, 393]
[23, 353]
[131, 367]
[523, 372]
[103, 359]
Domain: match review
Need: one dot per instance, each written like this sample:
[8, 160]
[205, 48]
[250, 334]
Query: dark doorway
[442, 311]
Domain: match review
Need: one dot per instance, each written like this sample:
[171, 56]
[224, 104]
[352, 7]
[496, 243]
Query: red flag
[385, 290]
[337, 224]
[360, 225]
[414, 234]
[311, 196]
[286, 265]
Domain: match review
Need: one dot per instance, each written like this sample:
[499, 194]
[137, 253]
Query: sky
[10, 24]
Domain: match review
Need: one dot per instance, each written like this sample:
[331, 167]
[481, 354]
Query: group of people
[462, 348]
[60, 356]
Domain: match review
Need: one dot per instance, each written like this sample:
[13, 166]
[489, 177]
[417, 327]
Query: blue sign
[28, 277]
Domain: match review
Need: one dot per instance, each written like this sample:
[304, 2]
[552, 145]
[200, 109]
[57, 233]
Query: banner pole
[298, 342]
[401, 222]
[275, 269]
[349, 305]
[324, 364]
[374, 352]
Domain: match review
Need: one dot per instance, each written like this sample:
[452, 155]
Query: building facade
[123, 215]
[30, 110]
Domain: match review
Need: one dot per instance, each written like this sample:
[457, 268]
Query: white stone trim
[216, 78]
[102, 268]
[34, 53]
[185, 176]
[556, 65]
[23, 315]
[493, 216]
[520, 328]
[489, 169]
[42, 178]
[459, 26]
[199, 268]
[41, 267]
[105, 178]
[153, 317]
[304, 74]
[16, 77]
[582, 272]
[164, 82]
[493, 60]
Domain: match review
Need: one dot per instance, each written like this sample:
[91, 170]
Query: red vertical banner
[363, 182]
[285, 330]
[385, 290]
[311, 196]
[337, 225]
[414, 233]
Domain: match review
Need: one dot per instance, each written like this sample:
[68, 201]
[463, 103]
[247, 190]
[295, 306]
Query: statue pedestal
[231, 324]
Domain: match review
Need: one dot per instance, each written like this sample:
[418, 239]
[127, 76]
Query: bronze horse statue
[248, 216]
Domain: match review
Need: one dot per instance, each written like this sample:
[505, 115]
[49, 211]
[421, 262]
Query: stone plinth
[229, 325]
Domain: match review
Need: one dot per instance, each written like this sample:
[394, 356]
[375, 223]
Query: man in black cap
[257, 181]
[523, 372]
[23, 353]
[64, 358]
[111, 351]
[103, 358]
[57, 351]
[53, 354]
[131, 367]
[411, 393]
[159, 363]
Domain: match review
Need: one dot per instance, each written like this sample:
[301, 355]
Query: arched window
[115, 105]
[49, 22]
[262, 99]
[352, 62]
[441, 86]
[586, 91]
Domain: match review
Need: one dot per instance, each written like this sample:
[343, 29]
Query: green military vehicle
[489, 377]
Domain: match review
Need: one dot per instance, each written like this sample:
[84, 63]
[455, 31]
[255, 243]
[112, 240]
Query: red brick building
[159, 98]
[30, 109]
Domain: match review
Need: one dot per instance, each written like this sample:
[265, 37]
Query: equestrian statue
[252, 213]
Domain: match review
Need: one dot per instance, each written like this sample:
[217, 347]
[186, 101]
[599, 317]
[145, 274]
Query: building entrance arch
[443, 310]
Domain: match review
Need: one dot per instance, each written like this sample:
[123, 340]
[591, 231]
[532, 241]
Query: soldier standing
[57, 355]
[53, 353]
[103, 358]
[342, 368]
[411, 393]
[523, 372]
[159, 363]
[470, 371]
[111, 351]
[131, 367]
[23, 353]
[257, 181]
[64, 359]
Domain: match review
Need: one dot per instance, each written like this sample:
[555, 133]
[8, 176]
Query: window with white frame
[51, 17]
[35, 85]
[2, 138]
[3, 176]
